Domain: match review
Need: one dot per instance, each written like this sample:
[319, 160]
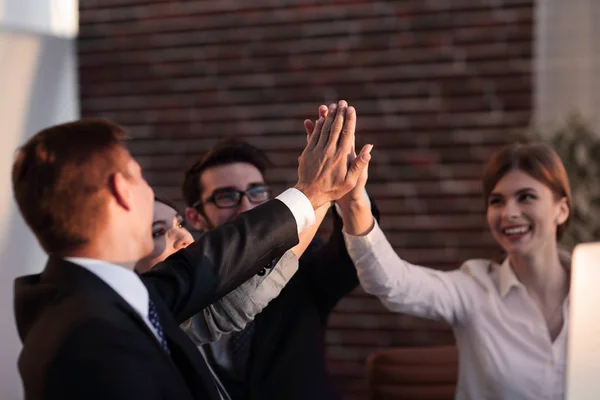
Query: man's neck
[104, 253]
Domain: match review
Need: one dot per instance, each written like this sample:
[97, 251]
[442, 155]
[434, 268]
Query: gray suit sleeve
[233, 311]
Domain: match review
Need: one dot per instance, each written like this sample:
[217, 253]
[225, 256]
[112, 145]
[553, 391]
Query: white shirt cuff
[339, 210]
[300, 207]
[363, 244]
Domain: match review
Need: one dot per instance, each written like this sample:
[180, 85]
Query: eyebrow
[525, 190]
[221, 188]
[250, 186]
[159, 222]
[518, 192]
[256, 184]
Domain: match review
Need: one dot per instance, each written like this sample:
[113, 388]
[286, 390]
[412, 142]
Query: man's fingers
[362, 179]
[324, 137]
[309, 127]
[358, 165]
[366, 150]
[313, 132]
[323, 111]
[347, 137]
[316, 127]
[338, 124]
[351, 156]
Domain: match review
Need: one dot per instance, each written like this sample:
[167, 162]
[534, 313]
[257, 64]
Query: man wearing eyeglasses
[227, 181]
[281, 354]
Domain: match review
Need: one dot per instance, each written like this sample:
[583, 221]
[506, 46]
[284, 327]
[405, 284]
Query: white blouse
[505, 350]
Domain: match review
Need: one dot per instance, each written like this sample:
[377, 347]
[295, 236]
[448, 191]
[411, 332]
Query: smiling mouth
[516, 231]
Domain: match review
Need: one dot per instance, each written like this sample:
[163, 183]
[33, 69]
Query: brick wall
[438, 86]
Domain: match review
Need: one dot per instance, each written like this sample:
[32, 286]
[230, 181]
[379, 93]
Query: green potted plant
[579, 149]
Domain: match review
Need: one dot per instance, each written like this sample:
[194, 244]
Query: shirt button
[261, 272]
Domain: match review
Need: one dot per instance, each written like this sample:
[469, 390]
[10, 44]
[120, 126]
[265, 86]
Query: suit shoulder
[65, 321]
[66, 331]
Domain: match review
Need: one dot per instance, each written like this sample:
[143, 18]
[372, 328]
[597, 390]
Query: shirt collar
[125, 282]
[507, 278]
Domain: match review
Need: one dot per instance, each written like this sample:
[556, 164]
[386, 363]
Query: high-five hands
[357, 194]
[355, 207]
[325, 172]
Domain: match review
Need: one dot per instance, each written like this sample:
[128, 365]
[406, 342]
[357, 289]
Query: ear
[563, 211]
[196, 219]
[120, 189]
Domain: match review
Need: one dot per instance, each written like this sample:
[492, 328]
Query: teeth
[516, 231]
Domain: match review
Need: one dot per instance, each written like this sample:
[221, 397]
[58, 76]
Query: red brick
[438, 87]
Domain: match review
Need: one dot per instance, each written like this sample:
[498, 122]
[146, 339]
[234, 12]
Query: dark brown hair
[167, 203]
[228, 151]
[538, 161]
[58, 178]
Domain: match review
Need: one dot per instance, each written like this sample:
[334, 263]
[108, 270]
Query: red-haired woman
[509, 319]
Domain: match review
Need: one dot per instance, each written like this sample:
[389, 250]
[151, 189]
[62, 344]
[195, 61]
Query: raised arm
[225, 257]
[238, 308]
[233, 311]
[401, 286]
[407, 288]
[332, 273]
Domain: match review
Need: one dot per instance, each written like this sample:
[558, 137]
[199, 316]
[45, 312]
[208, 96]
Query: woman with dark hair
[509, 319]
[168, 232]
[232, 312]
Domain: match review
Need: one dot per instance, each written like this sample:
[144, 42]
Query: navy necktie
[155, 321]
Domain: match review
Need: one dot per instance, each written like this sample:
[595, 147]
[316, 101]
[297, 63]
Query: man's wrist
[300, 206]
[310, 194]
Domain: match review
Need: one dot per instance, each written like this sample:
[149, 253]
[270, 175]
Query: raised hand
[355, 207]
[324, 173]
[357, 194]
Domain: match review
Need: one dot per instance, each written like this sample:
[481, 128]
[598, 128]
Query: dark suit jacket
[83, 341]
[287, 358]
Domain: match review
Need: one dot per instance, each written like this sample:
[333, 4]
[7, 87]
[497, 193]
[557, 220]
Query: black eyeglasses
[231, 198]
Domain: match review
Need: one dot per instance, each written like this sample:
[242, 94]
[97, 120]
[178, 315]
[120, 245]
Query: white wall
[38, 88]
[567, 61]
[48, 17]
[567, 80]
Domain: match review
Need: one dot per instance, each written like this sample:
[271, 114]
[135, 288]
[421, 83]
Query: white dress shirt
[505, 350]
[124, 281]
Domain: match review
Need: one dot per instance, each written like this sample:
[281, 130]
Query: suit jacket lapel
[173, 362]
[79, 279]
